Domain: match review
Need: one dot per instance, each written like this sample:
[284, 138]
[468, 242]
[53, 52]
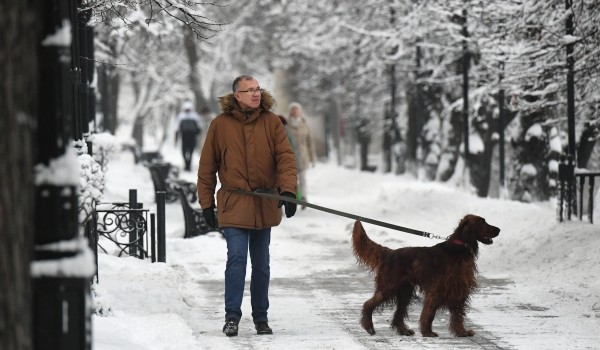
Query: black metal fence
[571, 197]
[66, 107]
[127, 229]
[590, 176]
[566, 188]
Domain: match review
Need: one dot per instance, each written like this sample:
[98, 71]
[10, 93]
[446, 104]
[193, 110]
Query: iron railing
[126, 229]
[590, 175]
[571, 196]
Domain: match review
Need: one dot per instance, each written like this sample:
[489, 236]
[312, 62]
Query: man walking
[247, 146]
[189, 126]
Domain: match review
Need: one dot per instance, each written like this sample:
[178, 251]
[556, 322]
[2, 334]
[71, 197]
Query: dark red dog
[444, 273]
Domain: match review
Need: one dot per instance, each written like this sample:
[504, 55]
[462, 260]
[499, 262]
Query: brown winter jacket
[249, 150]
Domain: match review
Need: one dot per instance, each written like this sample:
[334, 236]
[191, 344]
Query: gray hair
[292, 105]
[236, 82]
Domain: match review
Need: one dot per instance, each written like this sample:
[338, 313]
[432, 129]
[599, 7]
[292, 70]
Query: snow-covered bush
[91, 179]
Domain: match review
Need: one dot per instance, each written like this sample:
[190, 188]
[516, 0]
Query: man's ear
[236, 95]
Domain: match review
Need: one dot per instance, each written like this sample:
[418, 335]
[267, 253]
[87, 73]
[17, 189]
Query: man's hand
[290, 208]
[210, 217]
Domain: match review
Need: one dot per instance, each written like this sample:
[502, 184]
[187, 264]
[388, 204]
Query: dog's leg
[457, 321]
[367, 312]
[430, 307]
[367, 315]
[403, 299]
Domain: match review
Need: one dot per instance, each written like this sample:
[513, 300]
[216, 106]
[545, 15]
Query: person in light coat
[304, 149]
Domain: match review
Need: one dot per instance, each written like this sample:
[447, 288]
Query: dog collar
[459, 242]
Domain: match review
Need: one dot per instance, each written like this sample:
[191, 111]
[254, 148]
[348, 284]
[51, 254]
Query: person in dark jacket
[189, 126]
[247, 147]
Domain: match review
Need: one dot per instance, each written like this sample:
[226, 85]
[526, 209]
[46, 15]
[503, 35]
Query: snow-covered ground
[539, 280]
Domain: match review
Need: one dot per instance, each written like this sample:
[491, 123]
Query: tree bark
[189, 42]
[19, 28]
[108, 86]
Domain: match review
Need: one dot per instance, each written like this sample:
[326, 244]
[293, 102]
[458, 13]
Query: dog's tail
[367, 252]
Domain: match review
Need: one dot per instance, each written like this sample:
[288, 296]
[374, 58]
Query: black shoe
[231, 327]
[262, 327]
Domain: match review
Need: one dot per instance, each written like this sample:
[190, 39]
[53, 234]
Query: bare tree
[151, 25]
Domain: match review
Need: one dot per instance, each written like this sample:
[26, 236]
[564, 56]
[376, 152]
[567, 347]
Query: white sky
[539, 280]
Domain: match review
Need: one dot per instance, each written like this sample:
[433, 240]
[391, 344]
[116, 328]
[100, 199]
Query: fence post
[133, 234]
[591, 200]
[92, 236]
[581, 184]
[153, 237]
[160, 212]
[140, 230]
[572, 185]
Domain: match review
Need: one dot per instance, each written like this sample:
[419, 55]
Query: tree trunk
[451, 152]
[108, 86]
[388, 138]
[19, 28]
[413, 131]
[189, 42]
[334, 116]
[145, 94]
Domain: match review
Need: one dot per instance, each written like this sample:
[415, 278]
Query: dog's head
[473, 229]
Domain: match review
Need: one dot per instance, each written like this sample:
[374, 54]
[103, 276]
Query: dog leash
[266, 193]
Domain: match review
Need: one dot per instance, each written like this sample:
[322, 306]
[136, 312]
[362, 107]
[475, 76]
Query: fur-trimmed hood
[229, 104]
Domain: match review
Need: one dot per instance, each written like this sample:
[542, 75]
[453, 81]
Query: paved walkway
[333, 299]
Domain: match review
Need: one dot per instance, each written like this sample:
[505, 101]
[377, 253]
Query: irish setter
[444, 273]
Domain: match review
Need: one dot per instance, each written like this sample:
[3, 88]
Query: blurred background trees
[387, 75]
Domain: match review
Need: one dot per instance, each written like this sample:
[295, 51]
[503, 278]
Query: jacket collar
[229, 105]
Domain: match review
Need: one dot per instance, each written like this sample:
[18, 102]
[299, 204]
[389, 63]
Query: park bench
[163, 176]
[195, 224]
[149, 157]
[143, 157]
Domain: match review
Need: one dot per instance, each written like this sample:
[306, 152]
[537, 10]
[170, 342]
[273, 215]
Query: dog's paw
[430, 334]
[368, 326]
[464, 333]
[405, 331]
[371, 331]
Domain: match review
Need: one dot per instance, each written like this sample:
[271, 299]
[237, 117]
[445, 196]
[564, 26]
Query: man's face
[295, 112]
[248, 94]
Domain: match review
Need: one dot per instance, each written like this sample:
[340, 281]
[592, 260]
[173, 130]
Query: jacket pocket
[227, 201]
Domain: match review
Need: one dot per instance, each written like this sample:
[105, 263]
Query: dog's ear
[465, 228]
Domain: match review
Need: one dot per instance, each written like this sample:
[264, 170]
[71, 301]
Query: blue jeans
[239, 241]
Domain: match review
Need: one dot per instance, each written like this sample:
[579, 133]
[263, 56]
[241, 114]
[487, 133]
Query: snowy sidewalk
[315, 307]
[317, 289]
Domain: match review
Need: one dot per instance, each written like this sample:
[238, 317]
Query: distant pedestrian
[189, 125]
[247, 147]
[289, 136]
[304, 148]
